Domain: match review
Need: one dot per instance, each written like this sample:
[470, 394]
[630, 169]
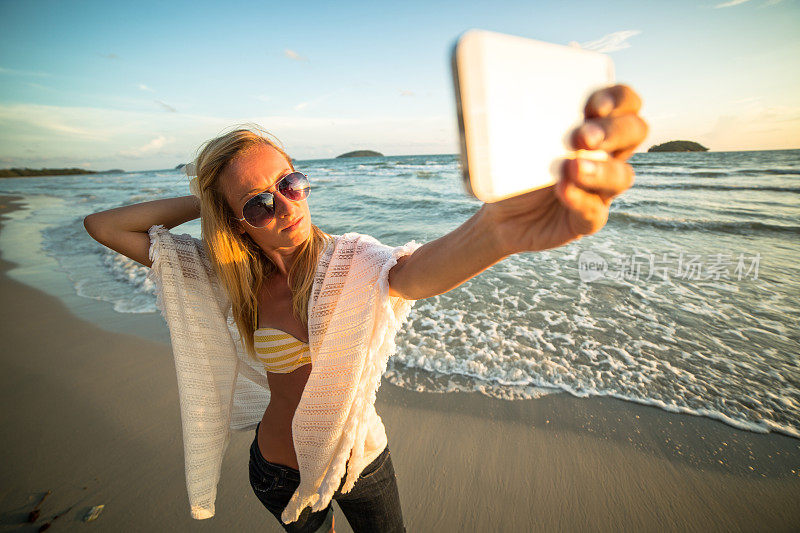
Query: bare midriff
[275, 432]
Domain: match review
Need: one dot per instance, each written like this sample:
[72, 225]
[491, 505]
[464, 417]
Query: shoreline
[93, 416]
[151, 326]
[33, 268]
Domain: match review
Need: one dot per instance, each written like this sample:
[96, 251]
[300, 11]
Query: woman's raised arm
[124, 229]
[542, 219]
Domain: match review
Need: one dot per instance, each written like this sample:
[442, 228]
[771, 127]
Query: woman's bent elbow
[132, 244]
[92, 226]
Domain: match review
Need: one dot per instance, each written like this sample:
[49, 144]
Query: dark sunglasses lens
[259, 210]
[295, 186]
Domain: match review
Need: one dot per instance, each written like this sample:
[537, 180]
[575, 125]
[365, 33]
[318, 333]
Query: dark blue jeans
[372, 505]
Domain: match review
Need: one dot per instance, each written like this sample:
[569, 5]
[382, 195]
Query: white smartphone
[518, 100]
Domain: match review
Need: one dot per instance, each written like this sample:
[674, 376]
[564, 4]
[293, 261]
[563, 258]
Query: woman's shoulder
[159, 233]
[186, 257]
[353, 237]
[183, 245]
[367, 242]
[365, 249]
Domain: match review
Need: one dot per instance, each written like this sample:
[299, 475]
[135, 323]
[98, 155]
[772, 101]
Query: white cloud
[741, 124]
[15, 72]
[262, 98]
[166, 107]
[747, 100]
[40, 86]
[404, 92]
[291, 54]
[34, 118]
[154, 146]
[652, 119]
[730, 4]
[38, 135]
[609, 43]
[144, 87]
[315, 101]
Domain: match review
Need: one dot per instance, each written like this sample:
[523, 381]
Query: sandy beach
[91, 414]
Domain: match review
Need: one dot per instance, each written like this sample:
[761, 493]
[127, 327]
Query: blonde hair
[238, 260]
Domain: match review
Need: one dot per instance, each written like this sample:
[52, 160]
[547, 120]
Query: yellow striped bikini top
[280, 352]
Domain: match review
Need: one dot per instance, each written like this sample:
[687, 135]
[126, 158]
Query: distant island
[361, 153]
[26, 172]
[678, 146]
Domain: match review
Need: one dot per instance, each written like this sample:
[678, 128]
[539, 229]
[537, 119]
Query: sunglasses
[260, 209]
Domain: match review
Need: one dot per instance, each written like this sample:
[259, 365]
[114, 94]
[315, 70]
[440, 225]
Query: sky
[141, 85]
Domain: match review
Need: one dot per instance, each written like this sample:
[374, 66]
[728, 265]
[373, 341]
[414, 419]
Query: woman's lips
[293, 225]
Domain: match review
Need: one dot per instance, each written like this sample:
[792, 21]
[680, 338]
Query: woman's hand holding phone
[578, 203]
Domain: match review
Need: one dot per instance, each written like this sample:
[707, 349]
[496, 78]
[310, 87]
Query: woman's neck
[282, 258]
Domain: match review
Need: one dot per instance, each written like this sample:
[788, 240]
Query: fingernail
[593, 135]
[587, 166]
[603, 104]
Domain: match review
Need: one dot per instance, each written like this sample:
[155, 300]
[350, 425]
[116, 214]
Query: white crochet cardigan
[352, 323]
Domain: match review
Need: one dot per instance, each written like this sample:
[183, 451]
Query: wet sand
[92, 415]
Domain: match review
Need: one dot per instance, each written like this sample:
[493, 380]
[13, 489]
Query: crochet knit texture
[352, 323]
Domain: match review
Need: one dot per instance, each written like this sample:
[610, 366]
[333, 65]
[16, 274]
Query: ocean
[687, 300]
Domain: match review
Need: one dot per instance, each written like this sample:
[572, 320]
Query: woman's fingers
[587, 211]
[612, 101]
[617, 135]
[605, 178]
[612, 122]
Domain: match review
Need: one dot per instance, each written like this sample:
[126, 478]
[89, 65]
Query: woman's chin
[299, 233]
[302, 229]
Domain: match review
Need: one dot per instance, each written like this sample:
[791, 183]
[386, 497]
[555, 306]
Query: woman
[278, 326]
